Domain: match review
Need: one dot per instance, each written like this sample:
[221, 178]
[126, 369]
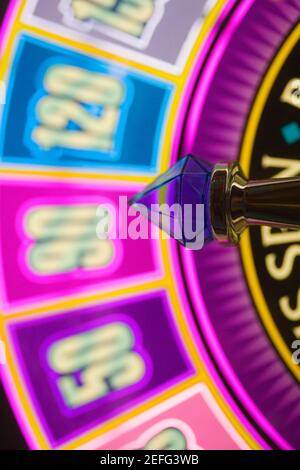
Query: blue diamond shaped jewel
[196, 202]
[171, 202]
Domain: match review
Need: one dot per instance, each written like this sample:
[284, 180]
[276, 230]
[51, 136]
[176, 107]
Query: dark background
[3, 6]
[10, 435]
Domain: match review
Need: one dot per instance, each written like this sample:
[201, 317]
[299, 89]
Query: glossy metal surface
[236, 203]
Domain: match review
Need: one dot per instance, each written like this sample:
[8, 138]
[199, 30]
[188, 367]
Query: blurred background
[140, 343]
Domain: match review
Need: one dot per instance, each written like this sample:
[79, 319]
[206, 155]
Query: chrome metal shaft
[236, 203]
